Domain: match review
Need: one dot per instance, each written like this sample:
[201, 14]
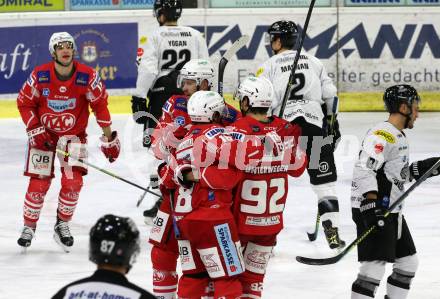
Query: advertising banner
[30, 5]
[392, 2]
[264, 3]
[108, 48]
[110, 4]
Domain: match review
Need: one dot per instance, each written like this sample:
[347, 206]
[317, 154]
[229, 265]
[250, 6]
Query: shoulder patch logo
[43, 77]
[388, 137]
[259, 71]
[82, 79]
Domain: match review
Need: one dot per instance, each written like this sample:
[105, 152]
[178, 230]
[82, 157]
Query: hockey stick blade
[237, 45]
[314, 235]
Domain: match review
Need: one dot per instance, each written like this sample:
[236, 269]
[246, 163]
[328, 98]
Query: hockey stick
[175, 227]
[312, 236]
[141, 198]
[336, 258]
[105, 171]
[237, 45]
[292, 78]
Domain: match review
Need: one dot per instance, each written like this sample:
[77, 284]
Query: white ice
[45, 267]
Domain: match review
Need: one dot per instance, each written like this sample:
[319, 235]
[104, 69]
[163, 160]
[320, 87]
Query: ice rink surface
[45, 267]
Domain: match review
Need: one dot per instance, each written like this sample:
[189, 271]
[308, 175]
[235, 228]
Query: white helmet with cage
[197, 70]
[258, 90]
[203, 104]
[60, 37]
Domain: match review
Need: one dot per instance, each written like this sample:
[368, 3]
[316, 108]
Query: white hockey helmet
[258, 90]
[197, 70]
[60, 37]
[202, 105]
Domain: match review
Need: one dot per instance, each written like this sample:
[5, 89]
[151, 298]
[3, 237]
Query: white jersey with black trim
[383, 165]
[168, 48]
[313, 86]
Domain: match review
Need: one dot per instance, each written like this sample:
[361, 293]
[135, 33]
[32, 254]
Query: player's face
[189, 87]
[414, 115]
[64, 53]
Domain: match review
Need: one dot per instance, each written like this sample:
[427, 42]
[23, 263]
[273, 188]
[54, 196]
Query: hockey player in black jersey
[379, 176]
[114, 245]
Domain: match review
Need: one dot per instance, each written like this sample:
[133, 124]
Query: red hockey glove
[111, 148]
[166, 176]
[181, 171]
[40, 139]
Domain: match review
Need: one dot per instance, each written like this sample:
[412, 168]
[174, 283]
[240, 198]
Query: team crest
[89, 52]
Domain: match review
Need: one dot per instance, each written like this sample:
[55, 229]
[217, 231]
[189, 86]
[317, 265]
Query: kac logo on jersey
[61, 105]
[59, 123]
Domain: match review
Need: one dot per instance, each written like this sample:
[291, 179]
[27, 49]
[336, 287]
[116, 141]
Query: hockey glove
[418, 168]
[154, 181]
[166, 176]
[182, 171]
[111, 148]
[139, 109]
[373, 212]
[273, 144]
[40, 139]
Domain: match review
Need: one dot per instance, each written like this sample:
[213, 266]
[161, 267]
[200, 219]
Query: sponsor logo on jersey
[388, 137]
[30, 81]
[158, 276]
[43, 76]
[60, 105]
[82, 79]
[378, 148]
[255, 129]
[40, 161]
[227, 246]
[210, 263]
[263, 221]
[237, 136]
[179, 121]
[259, 71]
[46, 92]
[140, 52]
[143, 40]
[181, 104]
[59, 123]
[63, 89]
[214, 132]
[169, 34]
[166, 107]
[258, 259]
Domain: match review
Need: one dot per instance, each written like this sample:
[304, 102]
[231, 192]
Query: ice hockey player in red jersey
[54, 105]
[261, 195]
[197, 74]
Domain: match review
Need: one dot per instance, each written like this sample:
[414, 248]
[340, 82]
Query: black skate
[151, 213]
[62, 235]
[27, 234]
[332, 235]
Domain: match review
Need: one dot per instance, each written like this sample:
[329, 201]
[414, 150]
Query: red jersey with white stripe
[62, 107]
[261, 195]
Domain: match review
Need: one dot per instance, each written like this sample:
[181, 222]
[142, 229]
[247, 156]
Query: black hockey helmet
[287, 31]
[114, 240]
[396, 95]
[171, 9]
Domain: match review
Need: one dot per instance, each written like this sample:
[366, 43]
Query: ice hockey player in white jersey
[379, 176]
[164, 54]
[310, 105]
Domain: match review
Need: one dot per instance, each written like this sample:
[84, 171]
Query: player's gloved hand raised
[40, 139]
[273, 144]
[373, 212]
[418, 168]
[112, 147]
[139, 109]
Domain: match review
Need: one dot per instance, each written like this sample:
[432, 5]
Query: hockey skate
[27, 234]
[332, 235]
[151, 213]
[62, 235]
